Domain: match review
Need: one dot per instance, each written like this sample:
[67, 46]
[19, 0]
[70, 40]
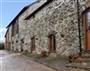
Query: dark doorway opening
[32, 44]
[52, 43]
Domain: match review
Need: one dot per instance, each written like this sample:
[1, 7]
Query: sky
[8, 10]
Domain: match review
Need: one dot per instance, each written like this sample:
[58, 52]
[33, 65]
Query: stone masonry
[59, 16]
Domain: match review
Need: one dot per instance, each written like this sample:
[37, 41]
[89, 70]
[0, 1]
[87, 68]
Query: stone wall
[9, 37]
[59, 16]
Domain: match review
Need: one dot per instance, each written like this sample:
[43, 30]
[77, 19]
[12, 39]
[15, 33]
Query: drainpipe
[78, 18]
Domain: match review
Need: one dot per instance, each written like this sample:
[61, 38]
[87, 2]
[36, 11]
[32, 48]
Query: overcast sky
[8, 10]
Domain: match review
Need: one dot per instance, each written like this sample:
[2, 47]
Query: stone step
[86, 55]
[81, 62]
[82, 59]
[84, 51]
[83, 65]
[77, 69]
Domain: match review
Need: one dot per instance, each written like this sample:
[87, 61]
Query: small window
[22, 40]
[13, 28]
[17, 29]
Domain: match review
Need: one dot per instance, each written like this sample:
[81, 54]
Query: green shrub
[1, 46]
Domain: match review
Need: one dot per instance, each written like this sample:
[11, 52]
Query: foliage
[1, 46]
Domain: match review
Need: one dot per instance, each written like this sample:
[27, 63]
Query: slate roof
[38, 9]
[32, 13]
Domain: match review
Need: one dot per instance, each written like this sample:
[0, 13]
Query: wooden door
[51, 44]
[32, 44]
[22, 44]
[88, 29]
[86, 24]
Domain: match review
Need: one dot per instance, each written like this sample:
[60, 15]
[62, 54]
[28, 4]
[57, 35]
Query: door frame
[51, 43]
[85, 26]
[32, 44]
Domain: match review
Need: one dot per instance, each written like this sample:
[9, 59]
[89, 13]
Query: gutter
[79, 29]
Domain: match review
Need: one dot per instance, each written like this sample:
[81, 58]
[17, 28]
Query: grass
[35, 57]
[57, 63]
[52, 62]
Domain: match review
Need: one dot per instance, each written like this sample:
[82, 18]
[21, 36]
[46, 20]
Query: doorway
[86, 27]
[32, 44]
[51, 43]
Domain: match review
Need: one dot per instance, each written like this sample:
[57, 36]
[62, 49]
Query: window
[17, 26]
[13, 30]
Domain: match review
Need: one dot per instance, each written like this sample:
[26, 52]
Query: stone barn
[53, 26]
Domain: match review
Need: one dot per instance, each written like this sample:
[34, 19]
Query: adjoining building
[54, 26]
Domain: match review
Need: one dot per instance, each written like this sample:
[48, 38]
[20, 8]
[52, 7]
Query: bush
[44, 54]
[1, 46]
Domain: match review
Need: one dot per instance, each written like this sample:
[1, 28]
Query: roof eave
[33, 13]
